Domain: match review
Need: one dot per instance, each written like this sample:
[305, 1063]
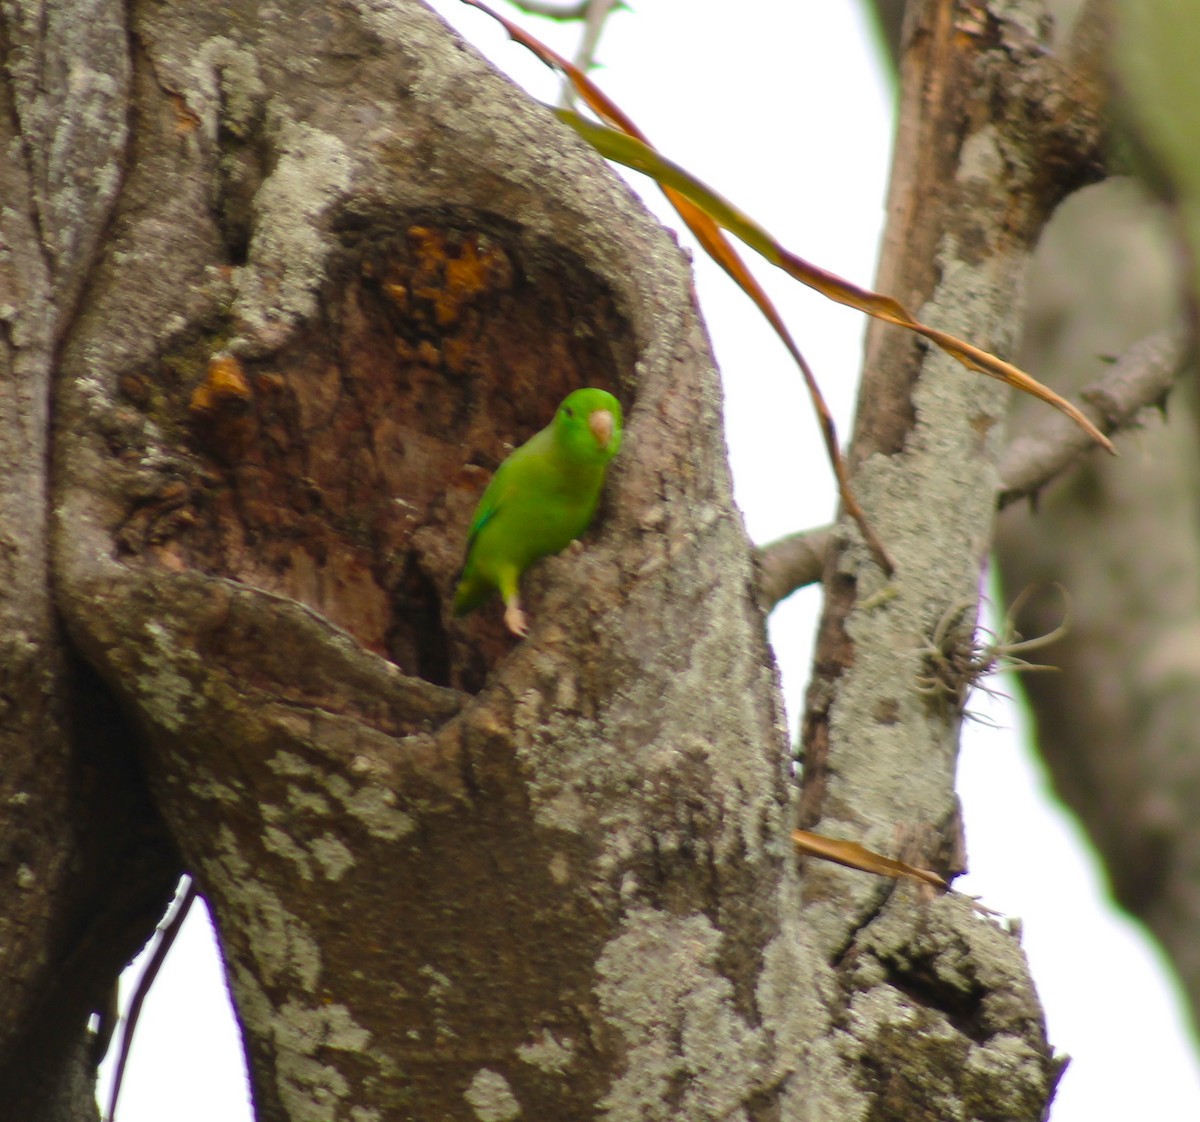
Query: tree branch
[553, 11]
[789, 563]
[1141, 379]
[593, 13]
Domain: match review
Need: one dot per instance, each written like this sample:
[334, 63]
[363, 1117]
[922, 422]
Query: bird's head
[589, 424]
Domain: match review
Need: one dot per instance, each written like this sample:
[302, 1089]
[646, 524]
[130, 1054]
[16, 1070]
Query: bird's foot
[514, 620]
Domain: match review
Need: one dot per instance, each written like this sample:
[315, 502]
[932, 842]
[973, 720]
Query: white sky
[780, 106]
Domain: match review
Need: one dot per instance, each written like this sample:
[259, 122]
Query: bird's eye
[568, 411]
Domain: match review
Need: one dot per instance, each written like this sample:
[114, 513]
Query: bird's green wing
[473, 588]
[494, 498]
[484, 513]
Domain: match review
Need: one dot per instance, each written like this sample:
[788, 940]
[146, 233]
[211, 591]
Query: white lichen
[439, 989]
[285, 949]
[277, 288]
[689, 1054]
[164, 693]
[374, 806]
[333, 856]
[280, 842]
[548, 1053]
[304, 801]
[309, 1087]
[225, 87]
[491, 1098]
[292, 765]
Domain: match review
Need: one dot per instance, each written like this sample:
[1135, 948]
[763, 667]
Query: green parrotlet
[542, 497]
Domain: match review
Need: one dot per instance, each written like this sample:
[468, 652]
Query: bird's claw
[514, 620]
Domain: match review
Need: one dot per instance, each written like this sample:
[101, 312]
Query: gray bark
[312, 269]
[85, 865]
[1115, 724]
[561, 893]
[992, 132]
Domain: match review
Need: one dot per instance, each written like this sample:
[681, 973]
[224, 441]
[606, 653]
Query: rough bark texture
[1116, 724]
[332, 268]
[291, 279]
[84, 864]
[990, 139]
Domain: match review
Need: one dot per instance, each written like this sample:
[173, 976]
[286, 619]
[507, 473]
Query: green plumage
[542, 497]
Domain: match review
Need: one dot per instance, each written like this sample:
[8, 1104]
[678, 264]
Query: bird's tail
[468, 595]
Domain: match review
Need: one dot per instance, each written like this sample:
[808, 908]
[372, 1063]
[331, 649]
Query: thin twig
[553, 11]
[1141, 379]
[595, 13]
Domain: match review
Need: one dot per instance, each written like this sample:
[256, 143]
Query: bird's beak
[601, 423]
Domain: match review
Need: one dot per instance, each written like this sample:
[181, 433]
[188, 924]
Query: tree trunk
[1114, 723]
[86, 866]
[290, 282]
[993, 131]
